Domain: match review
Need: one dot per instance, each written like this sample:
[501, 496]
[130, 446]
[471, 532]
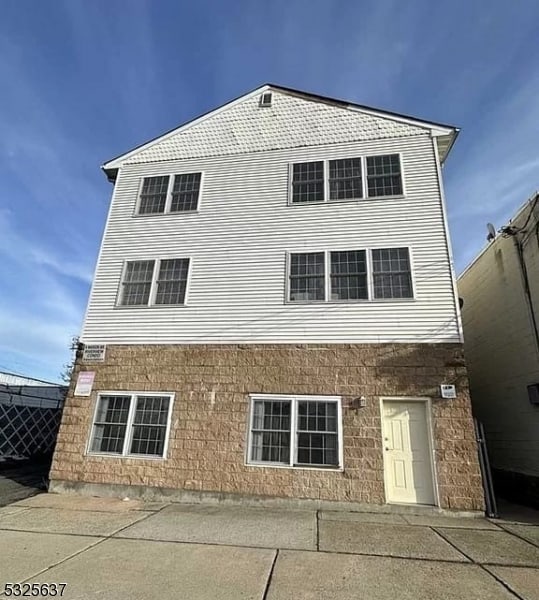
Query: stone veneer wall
[210, 413]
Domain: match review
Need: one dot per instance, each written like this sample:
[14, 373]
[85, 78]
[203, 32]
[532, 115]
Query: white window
[384, 176]
[295, 431]
[153, 195]
[348, 272]
[350, 275]
[307, 276]
[148, 282]
[343, 179]
[391, 273]
[169, 194]
[128, 424]
[308, 182]
[137, 282]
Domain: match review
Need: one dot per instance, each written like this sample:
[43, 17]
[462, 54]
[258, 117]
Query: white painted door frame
[428, 410]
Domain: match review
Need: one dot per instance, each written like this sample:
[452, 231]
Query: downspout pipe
[523, 269]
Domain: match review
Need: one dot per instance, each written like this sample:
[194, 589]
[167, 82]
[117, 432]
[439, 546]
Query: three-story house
[276, 311]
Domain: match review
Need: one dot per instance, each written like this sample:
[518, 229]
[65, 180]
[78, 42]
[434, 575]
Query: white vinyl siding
[239, 242]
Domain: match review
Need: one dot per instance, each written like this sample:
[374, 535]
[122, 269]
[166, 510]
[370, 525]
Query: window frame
[371, 274]
[327, 274]
[153, 288]
[366, 176]
[364, 180]
[129, 426]
[288, 277]
[294, 399]
[168, 201]
[325, 183]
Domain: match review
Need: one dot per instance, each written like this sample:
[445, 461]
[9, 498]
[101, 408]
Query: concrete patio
[109, 548]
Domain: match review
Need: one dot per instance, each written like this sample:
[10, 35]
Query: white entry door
[407, 456]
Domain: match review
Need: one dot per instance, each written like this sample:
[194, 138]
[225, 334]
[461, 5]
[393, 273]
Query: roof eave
[445, 143]
[111, 173]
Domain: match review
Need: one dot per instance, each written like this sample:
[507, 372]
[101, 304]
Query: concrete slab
[141, 570]
[529, 532]
[26, 554]
[496, 547]
[461, 523]
[313, 576]
[71, 502]
[262, 527]
[405, 541]
[10, 510]
[328, 515]
[79, 522]
[521, 580]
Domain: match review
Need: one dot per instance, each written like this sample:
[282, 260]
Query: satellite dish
[491, 232]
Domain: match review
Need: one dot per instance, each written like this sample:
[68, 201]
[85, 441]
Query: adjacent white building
[500, 291]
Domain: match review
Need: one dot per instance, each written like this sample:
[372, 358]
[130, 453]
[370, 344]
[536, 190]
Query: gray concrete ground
[109, 548]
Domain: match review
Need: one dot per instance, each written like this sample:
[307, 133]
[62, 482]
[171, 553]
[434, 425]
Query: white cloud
[28, 253]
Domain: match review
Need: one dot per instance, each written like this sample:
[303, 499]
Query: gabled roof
[444, 134]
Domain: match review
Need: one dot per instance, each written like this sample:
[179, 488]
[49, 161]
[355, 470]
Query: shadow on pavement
[517, 513]
[23, 478]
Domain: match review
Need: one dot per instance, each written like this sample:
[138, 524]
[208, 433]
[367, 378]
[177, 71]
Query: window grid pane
[384, 175]
[137, 283]
[150, 425]
[185, 192]
[391, 273]
[317, 433]
[345, 182]
[349, 275]
[110, 424]
[153, 196]
[172, 281]
[307, 276]
[308, 182]
[270, 434]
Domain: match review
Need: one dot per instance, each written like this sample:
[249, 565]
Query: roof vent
[265, 99]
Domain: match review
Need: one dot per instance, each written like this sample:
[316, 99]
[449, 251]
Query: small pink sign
[85, 381]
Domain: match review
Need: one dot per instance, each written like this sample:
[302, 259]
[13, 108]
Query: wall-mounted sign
[95, 352]
[448, 391]
[85, 381]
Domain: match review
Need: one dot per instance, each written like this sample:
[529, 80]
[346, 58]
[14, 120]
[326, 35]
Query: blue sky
[85, 80]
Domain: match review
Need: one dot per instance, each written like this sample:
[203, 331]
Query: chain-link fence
[29, 419]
